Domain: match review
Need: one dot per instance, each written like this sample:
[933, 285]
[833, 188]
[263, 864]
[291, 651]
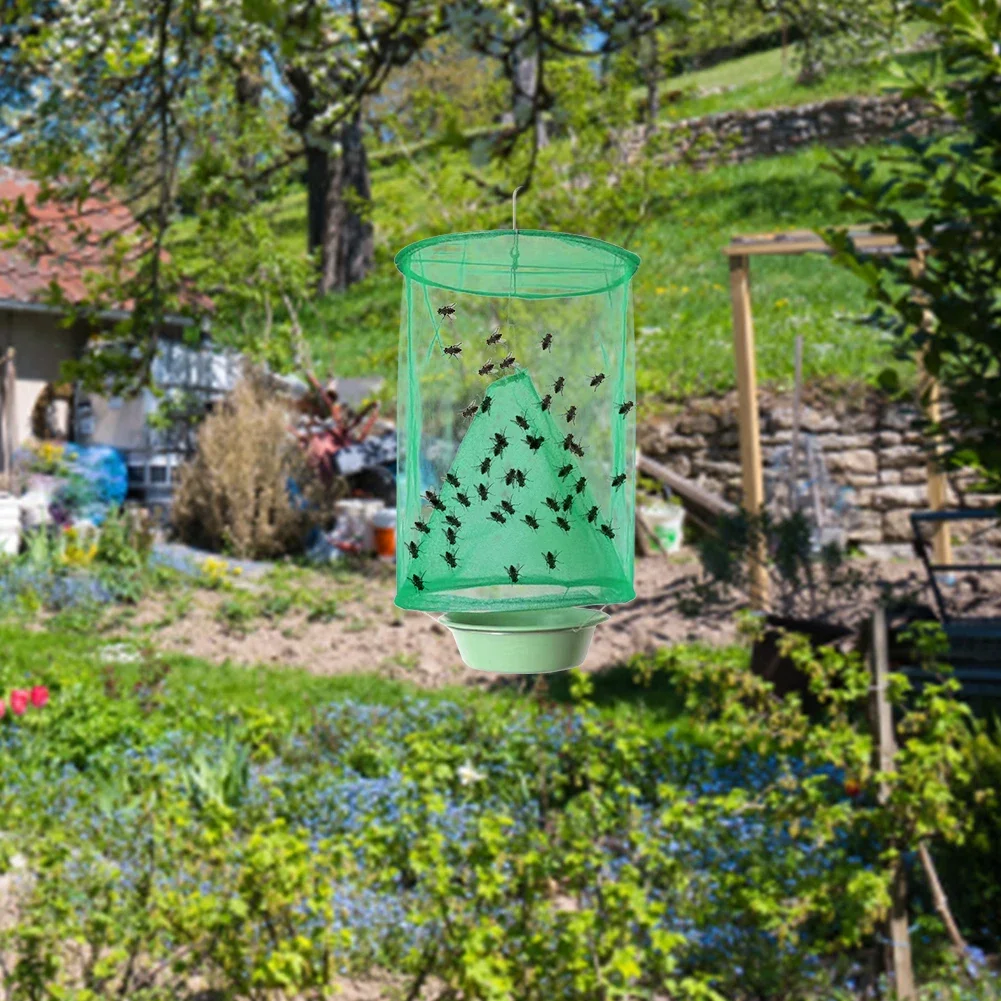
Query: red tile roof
[68, 242]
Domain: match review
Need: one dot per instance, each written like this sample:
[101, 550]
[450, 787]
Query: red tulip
[3, 708]
[18, 701]
[39, 696]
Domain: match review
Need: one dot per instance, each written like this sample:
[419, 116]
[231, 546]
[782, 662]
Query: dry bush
[233, 495]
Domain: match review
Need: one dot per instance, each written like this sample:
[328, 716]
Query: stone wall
[868, 443]
[735, 136]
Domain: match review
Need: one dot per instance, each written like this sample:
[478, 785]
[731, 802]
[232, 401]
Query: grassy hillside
[681, 291]
[766, 80]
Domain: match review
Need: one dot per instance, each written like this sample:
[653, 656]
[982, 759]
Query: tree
[835, 32]
[183, 109]
[940, 298]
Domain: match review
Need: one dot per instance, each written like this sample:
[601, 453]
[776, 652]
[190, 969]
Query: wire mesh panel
[516, 422]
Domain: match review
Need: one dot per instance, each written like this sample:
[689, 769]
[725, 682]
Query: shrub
[947, 313]
[234, 495]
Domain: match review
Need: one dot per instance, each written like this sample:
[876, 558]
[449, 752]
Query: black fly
[507, 362]
[580, 484]
[565, 471]
[500, 443]
[597, 380]
[470, 410]
[498, 517]
[618, 480]
[447, 311]
[508, 506]
[514, 573]
[571, 414]
[520, 476]
[462, 498]
[485, 405]
[546, 402]
[547, 342]
[561, 522]
[452, 480]
[552, 503]
[453, 350]
[534, 441]
[434, 500]
[522, 423]
[551, 560]
[418, 580]
[483, 490]
[495, 336]
[421, 526]
[606, 530]
[593, 513]
[577, 450]
[487, 369]
[510, 476]
[485, 466]
[414, 549]
[624, 408]
[532, 522]
[567, 503]
[568, 442]
[451, 536]
[453, 521]
[450, 559]
[559, 384]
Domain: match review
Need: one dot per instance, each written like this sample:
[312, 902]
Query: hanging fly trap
[517, 433]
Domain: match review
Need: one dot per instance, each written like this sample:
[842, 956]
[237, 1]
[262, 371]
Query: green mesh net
[516, 422]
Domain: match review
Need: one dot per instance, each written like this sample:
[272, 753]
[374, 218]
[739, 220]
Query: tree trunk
[652, 84]
[340, 194]
[526, 88]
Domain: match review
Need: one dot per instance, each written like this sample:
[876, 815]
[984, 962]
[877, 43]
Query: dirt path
[342, 621]
[370, 633]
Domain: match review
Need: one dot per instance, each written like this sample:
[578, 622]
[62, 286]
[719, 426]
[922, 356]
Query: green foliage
[940, 299]
[260, 832]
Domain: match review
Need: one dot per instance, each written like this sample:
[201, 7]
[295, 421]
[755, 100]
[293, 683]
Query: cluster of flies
[513, 476]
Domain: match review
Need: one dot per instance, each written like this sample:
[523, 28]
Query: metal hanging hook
[514, 208]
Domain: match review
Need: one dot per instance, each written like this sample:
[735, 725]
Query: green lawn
[681, 292]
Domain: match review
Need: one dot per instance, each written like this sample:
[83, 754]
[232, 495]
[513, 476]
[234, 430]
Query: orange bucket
[384, 532]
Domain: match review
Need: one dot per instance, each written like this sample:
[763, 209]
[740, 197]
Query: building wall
[41, 344]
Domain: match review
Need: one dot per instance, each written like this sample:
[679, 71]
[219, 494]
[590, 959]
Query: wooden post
[938, 485]
[752, 475]
[898, 949]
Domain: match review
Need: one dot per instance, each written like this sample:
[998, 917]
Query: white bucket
[10, 525]
[667, 522]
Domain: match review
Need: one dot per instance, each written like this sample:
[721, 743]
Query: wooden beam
[806, 241]
[752, 473]
[705, 507]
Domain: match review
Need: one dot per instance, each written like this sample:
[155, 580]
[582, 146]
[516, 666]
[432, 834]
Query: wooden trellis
[740, 251]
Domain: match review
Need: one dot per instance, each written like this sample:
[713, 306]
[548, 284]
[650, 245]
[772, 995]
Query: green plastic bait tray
[528, 642]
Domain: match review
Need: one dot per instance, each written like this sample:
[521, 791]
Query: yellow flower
[660, 290]
[781, 303]
[215, 571]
